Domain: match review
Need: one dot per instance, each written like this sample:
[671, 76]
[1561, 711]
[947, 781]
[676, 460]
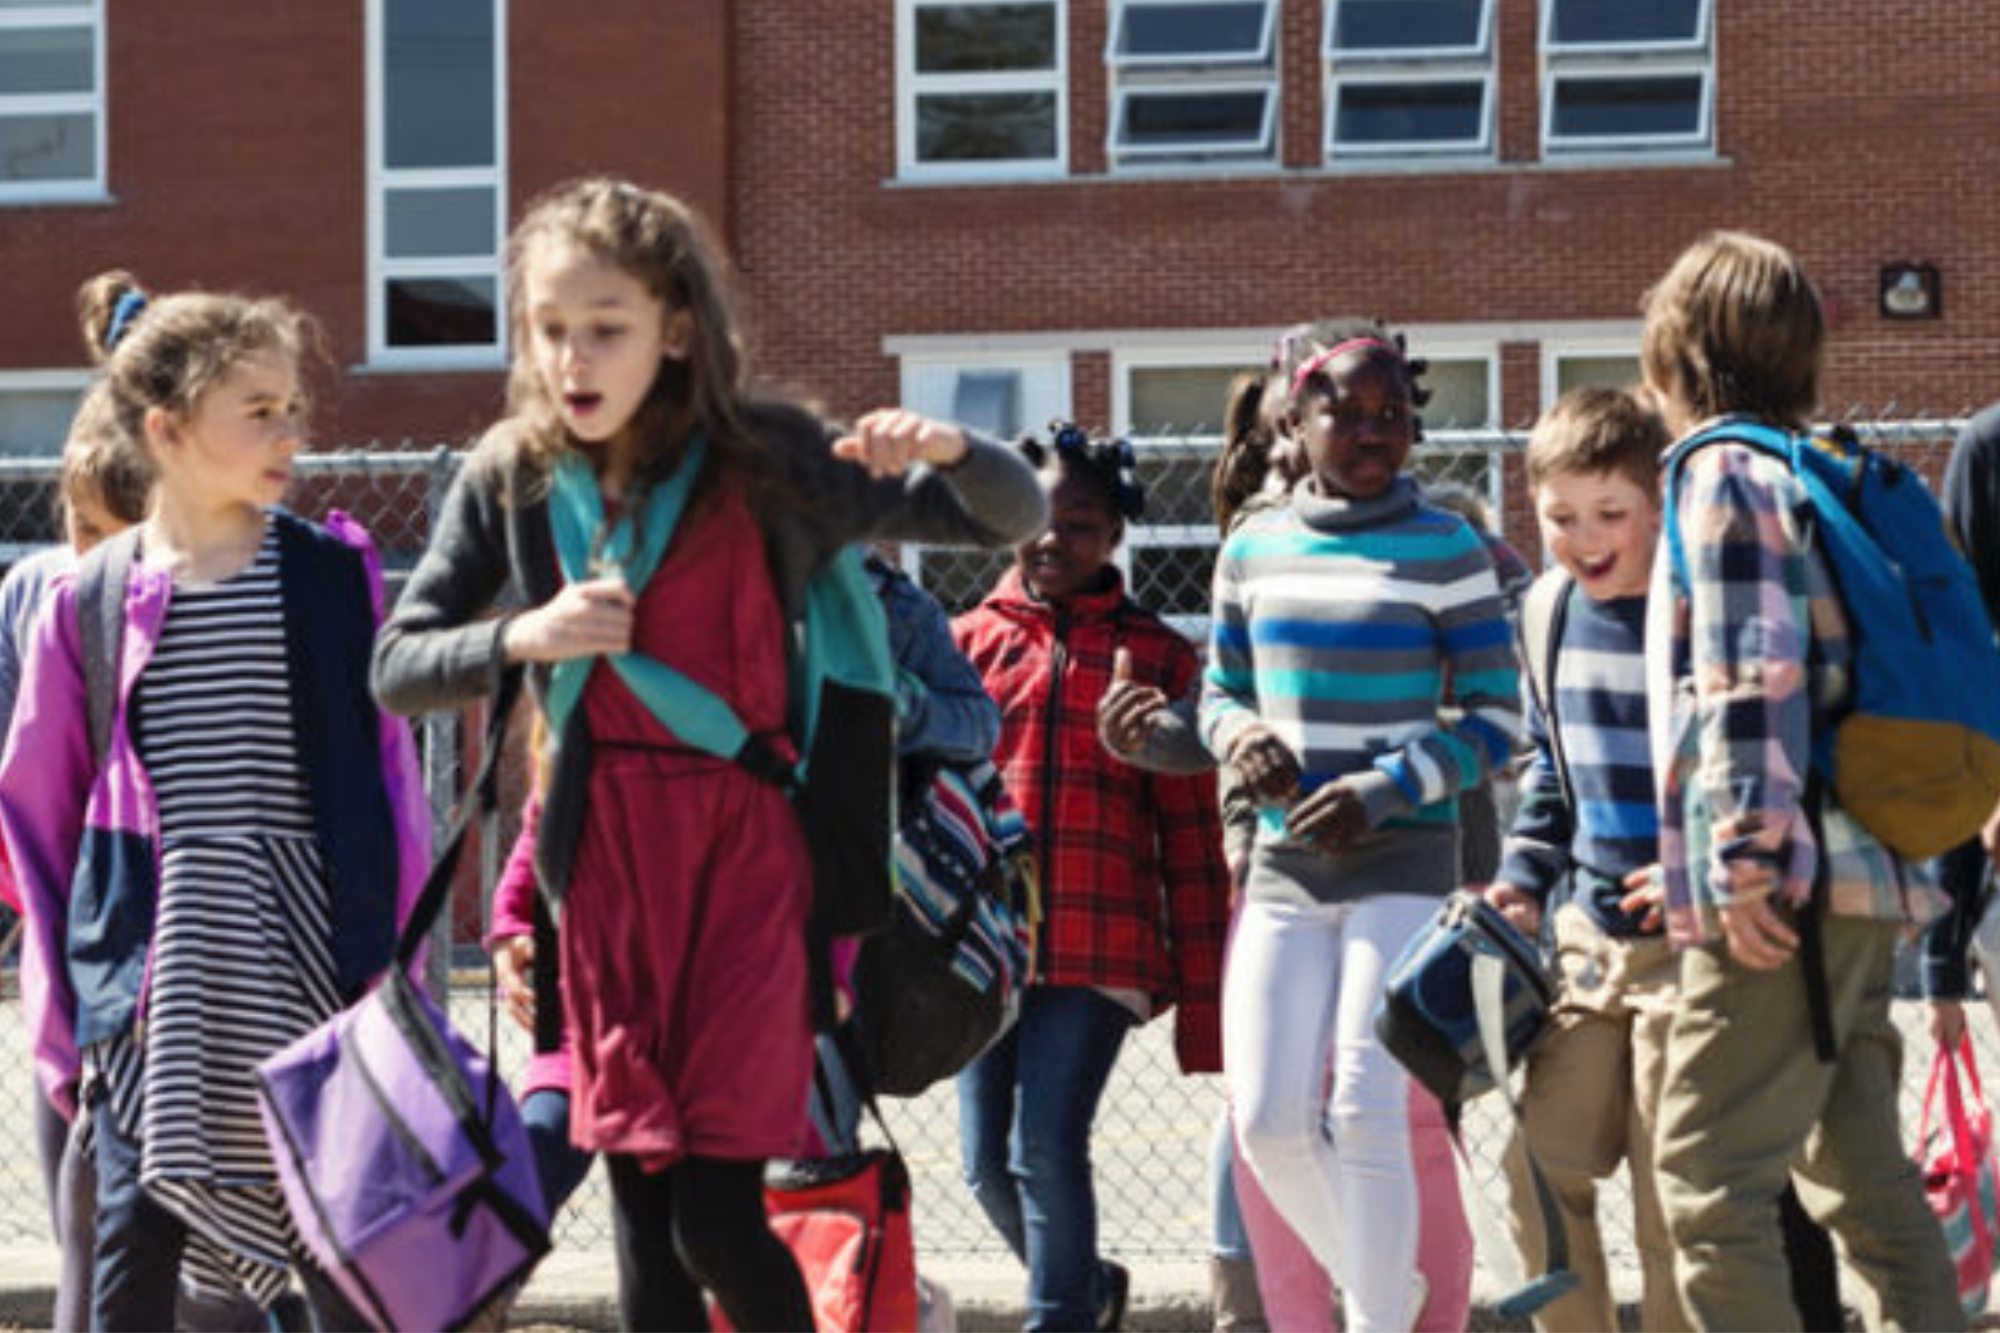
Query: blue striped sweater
[1337, 624]
[1600, 692]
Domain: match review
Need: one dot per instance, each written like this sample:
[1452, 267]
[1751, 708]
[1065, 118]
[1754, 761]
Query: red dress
[683, 932]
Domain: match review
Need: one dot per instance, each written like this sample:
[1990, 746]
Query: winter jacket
[1135, 894]
[85, 841]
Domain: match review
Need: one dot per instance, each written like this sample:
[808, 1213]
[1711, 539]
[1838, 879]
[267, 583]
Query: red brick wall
[1816, 112]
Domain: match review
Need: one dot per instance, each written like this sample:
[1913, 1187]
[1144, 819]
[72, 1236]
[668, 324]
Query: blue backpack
[1916, 757]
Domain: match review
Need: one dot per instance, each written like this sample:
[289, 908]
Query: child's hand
[891, 441]
[1947, 1023]
[1645, 888]
[1330, 819]
[590, 619]
[513, 964]
[1758, 937]
[1521, 908]
[1125, 712]
[1265, 765]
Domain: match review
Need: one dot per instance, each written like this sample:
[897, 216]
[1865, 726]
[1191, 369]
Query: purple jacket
[85, 842]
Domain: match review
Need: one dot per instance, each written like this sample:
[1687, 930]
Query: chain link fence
[1152, 1143]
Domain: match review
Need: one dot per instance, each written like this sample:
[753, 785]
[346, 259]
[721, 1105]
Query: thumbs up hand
[1125, 712]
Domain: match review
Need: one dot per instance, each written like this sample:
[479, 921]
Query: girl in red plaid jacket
[1134, 887]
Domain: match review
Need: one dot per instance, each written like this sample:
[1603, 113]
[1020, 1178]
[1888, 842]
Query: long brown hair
[659, 241]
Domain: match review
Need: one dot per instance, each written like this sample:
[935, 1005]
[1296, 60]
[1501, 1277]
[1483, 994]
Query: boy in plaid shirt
[1743, 663]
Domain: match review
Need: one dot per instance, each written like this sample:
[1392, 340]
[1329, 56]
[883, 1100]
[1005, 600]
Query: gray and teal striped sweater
[1342, 625]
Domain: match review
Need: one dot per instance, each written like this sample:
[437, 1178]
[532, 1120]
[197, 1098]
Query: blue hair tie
[122, 314]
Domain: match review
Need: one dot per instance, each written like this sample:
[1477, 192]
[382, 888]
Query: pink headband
[1318, 361]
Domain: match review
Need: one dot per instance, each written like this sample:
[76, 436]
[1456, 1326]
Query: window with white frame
[981, 89]
[1565, 369]
[1192, 81]
[1171, 403]
[36, 408]
[1409, 77]
[1004, 396]
[1624, 75]
[51, 100]
[437, 198]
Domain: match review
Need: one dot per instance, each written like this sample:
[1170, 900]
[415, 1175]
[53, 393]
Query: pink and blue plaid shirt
[1744, 666]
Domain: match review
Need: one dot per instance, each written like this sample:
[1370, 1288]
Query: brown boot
[1232, 1286]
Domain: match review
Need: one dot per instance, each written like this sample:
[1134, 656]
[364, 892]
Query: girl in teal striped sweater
[1337, 619]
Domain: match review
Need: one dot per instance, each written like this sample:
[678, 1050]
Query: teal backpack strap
[100, 609]
[1780, 444]
[585, 547]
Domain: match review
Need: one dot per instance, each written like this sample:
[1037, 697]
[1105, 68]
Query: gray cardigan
[440, 651]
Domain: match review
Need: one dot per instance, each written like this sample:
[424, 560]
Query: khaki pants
[1591, 1100]
[1748, 1100]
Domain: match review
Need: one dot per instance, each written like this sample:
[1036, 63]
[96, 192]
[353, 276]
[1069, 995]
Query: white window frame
[1481, 47]
[1263, 56]
[1260, 147]
[1481, 145]
[1696, 44]
[383, 268]
[43, 381]
[1191, 76]
[1702, 136]
[1471, 63]
[1633, 60]
[1046, 367]
[95, 104]
[910, 86]
[1555, 352]
[1254, 350]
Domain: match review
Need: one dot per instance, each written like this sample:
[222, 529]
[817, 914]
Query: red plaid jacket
[1134, 888]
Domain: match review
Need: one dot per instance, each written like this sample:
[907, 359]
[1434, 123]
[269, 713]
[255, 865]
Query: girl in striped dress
[229, 859]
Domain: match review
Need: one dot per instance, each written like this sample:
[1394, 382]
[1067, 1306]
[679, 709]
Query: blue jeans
[1025, 1111]
[1229, 1239]
[560, 1164]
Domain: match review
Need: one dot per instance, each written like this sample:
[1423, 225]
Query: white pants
[1299, 1001]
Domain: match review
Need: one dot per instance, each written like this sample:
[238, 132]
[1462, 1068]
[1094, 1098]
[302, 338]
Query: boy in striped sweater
[1337, 617]
[1587, 812]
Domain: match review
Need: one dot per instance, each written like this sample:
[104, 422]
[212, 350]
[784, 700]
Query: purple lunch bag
[402, 1156]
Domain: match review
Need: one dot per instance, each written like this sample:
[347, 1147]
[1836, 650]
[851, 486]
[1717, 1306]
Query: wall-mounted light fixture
[1910, 291]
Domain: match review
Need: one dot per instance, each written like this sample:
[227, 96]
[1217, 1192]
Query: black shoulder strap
[482, 797]
[100, 612]
[1544, 612]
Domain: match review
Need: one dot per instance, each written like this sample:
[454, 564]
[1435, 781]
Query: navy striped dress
[242, 947]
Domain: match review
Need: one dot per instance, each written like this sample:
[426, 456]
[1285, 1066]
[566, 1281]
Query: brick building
[1009, 211]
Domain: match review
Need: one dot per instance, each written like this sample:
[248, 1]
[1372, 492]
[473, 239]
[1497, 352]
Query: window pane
[44, 4]
[1180, 400]
[1607, 372]
[989, 401]
[978, 39]
[48, 148]
[46, 60]
[1193, 120]
[1620, 107]
[1458, 394]
[442, 312]
[1389, 25]
[1192, 31]
[1409, 113]
[1593, 22]
[36, 421]
[438, 83]
[438, 222]
[986, 127]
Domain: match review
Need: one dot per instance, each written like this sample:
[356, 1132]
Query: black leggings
[700, 1224]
